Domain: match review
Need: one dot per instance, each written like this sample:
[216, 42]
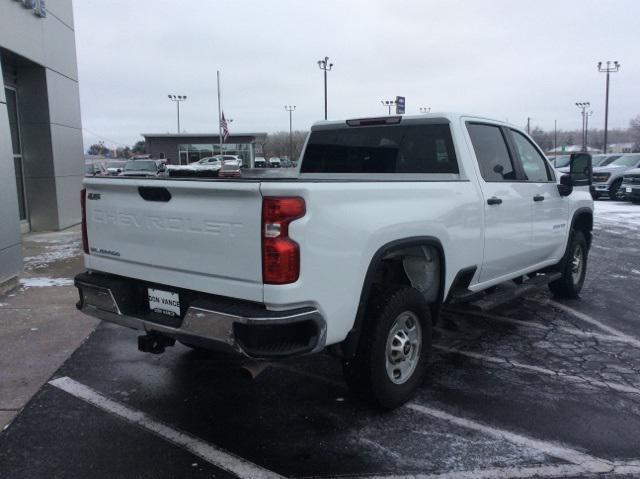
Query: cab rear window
[381, 149]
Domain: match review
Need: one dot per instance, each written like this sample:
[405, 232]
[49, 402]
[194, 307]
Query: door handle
[494, 201]
[538, 198]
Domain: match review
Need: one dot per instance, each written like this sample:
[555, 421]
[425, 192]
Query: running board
[486, 301]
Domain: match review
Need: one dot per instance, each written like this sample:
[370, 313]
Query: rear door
[507, 203]
[199, 235]
[549, 209]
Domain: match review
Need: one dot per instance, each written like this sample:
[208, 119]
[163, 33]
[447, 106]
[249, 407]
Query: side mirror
[580, 169]
[565, 188]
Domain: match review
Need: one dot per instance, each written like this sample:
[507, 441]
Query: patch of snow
[55, 252]
[44, 282]
[3, 304]
[635, 271]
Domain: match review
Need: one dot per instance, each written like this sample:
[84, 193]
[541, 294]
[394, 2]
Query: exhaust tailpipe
[251, 370]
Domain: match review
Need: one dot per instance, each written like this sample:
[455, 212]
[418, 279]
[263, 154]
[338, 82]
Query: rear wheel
[393, 352]
[573, 268]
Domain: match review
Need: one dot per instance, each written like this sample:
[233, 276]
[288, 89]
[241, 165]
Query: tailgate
[202, 235]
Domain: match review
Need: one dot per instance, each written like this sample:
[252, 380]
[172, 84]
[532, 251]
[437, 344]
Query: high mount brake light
[280, 254]
[383, 120]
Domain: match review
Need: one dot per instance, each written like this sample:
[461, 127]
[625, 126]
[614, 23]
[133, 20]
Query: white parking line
[588, 319]
[222, 459]
[563, 470]
[538, 369]
[590, 463]
[530, 324]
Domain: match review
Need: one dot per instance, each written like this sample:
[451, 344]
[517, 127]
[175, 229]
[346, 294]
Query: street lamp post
[326, 66]
[583, 105]
[388, 103]
[290, 109]
[587, 114]
[178, 99]
[608, 69]
[424, 109]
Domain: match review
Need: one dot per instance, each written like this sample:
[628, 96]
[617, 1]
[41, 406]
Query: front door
[508, 207]
[550, 210]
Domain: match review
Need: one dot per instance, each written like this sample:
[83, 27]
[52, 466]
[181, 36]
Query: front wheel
[573, 268]
[393, 352]
[615, 190]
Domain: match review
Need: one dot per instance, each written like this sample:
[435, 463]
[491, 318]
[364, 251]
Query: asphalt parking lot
[536, 388]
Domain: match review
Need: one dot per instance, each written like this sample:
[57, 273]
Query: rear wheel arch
[379, 264]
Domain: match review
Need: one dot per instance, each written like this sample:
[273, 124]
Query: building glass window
[12, 108]
[190, 153]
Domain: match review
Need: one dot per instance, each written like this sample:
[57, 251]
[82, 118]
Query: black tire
[615, 189]
[569, 285]
[594, 195]
[366, 373]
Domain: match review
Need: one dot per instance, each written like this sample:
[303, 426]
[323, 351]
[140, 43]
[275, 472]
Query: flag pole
[219, 114]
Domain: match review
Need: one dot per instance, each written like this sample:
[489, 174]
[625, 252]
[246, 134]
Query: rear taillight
[280, 254]
[83, 205]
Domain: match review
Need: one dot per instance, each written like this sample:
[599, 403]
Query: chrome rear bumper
[250, 330]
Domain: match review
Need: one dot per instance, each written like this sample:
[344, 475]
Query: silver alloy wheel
[576, 264]
[404, 345]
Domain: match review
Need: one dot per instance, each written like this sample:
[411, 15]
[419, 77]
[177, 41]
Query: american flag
[225, 128]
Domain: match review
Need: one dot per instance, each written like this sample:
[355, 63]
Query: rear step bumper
[207, 321]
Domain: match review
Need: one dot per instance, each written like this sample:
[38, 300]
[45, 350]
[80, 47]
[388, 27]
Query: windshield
[562, 161]
[605, 160]
[631, 160]
[140, 165]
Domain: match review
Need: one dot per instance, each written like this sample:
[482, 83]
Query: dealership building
[187, 148]
[41, 150]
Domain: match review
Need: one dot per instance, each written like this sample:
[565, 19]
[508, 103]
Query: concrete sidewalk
[39, 324]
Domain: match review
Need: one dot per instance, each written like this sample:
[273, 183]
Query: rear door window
[492, 153]
[381, 149]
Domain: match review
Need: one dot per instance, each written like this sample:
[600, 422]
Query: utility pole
[388, 103]
[424, 109]
[290, 109]
[583, 105]
[178, 99]
[555, 136]
[608, 69]
[528, 124]
[326, 66]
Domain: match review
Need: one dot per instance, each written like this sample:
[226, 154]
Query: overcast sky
[503, 59]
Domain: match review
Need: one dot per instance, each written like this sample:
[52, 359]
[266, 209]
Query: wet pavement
[535, 388]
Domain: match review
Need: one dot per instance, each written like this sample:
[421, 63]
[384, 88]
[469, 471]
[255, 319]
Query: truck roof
[413, 119]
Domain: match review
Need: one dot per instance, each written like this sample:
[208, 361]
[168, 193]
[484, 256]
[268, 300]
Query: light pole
[290, 109]
[424, 109]
[587, 114]
[178, 99]
[326, 66]
[583, 105]
[608, 69]
[388, 103]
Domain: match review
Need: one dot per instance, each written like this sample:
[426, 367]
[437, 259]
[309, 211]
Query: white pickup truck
[383, 221]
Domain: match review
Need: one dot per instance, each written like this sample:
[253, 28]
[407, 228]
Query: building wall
[10, 244]
[39, 61]
[46, 77]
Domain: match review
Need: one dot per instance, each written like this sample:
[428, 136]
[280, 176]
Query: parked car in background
[143, 168]
[274, 162]
[93, 168]
[630, 188]
[561, 161]
[260, 162]
[285, 163]
[114, 167]
[608, 179]
[598, 160]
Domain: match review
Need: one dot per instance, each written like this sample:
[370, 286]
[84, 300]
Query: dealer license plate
[629, 189]
[164, 302]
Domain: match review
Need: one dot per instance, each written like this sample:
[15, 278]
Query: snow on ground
[53, 236]
[43, 282]
[55, 252]
[617, 215]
